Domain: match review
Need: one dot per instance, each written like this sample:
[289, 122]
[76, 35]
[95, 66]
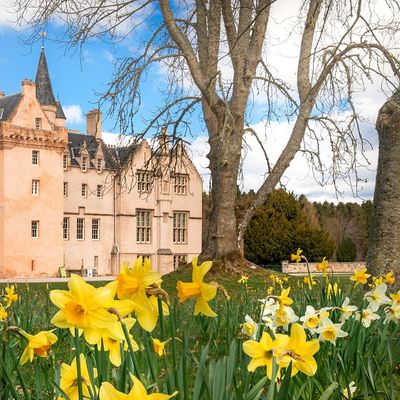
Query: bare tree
[217, 55]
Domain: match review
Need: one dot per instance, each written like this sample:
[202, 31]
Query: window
[66, 228]
[84, 164]
[84, 190]
[99, 191]
[96, 262]
[35, 157]
[144, 181]
[99, 165]
[145, 257]
[65, 189]
[80, 228]
[143, 226]
[35, 229]
[38, 123]
[35, 187]
[179, 259]
[179, 227]
[65, 162]
[95, 229]
[180, 183]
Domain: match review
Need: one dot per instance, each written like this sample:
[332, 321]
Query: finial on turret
[43, 36]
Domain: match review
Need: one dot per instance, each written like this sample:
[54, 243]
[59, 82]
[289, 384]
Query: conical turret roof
[44, 91]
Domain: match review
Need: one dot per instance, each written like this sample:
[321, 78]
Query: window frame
[84, 190]
[181, 184]
[144, 181]
[178, 258]
[66, 228]
[180, 227]
[99, 191]
[99, 165]
[38, 123]
[35, 187]
[35, 157]
[65, 162]
[144, 226]
[80, 230]
[35, 229]
[65, 189]
[84, 164]
[95, 229]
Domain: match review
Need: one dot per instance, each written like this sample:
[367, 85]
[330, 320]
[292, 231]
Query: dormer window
[99, 165]
[84, 164]
[38, 123]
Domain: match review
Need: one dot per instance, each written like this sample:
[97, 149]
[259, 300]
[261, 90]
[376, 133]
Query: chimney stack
[2, 94]
[93, 123]
[28, 88]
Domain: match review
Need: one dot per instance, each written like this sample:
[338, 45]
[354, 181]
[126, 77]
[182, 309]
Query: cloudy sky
[79, 75]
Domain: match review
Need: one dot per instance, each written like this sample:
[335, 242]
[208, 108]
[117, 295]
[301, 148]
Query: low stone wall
[338, 267]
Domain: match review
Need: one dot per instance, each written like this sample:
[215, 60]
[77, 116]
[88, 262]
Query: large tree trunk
[384, 248]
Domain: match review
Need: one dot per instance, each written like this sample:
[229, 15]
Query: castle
[68, 199]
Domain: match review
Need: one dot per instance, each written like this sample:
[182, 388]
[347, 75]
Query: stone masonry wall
[338, 267]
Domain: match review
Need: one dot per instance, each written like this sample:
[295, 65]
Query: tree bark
[384, 248]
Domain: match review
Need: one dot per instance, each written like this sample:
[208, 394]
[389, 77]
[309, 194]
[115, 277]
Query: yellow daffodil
[243, 279]
[297, 257]
[69, 379]
[3, 313]
[309, 281]
[360, 276]
[323, 266]
[333, 289]
[270, 290]
[299, 352]
[330, 332]
[284, 315]
[203, 292]
[159, 346]
[376, 281]
[138, 392]
[132, 284]
[112, 343]
[38, 344]
[389, 278]
[395, 297]
[10, 296]
[263, 352]
[82, 307]
[284, 299]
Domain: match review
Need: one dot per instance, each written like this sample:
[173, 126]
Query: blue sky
[77, 75]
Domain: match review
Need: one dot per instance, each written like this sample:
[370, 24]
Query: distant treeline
[286, 222]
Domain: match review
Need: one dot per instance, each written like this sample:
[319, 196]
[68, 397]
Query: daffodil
[250, 328]
[333, 289]
[284, 299]
[360, 276]
[346, 310]
[69, 379]
[389, 278]
[202, 292]
[376, 281]
[392, 313]
[263, 352]
[309, 281]
[82, 307]
[297, 257]
[310, 319]
[366, 317]
[299, 352]
[159, 346]
[132, 284]
[10, 296]
[395, 296]
[243, 279]
[323, 266]
[138, 392]
[328, 331]
[3, 313]
[377, 297]
[38, 344]
[284, 316]
[348, 391]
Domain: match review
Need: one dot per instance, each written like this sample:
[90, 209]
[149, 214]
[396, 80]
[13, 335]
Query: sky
[79, 75]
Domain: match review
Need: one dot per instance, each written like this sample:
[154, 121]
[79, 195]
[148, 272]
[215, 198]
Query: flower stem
[131, 352]
[78, 364]
[161, 315]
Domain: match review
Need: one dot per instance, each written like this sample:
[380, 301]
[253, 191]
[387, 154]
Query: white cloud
[7, 17]
[73, 113]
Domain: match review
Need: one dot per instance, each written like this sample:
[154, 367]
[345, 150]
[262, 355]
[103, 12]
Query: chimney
[93, 123]
[164, 141]
[2, 94]
[28, 88]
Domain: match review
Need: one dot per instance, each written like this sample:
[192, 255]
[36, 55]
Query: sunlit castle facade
[68, 199]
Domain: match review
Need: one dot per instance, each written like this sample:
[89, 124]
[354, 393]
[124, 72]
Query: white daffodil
[347, 311]
[310, 319]
[328, 331]
[392, 313]
[283, 316]
[268, 307]
[250, 327]
[323, 313]
[366, 317]
[348, 391]
[377, 297]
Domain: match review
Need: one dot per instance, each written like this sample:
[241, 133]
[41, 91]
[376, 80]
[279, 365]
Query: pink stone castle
[69, 200]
